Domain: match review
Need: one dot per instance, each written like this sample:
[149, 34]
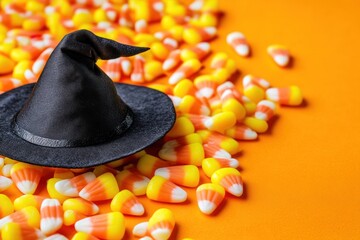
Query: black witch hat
[75, 116]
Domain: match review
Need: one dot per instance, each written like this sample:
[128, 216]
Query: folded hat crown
[74, 103]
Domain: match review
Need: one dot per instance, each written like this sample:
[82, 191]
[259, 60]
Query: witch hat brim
[154, 115]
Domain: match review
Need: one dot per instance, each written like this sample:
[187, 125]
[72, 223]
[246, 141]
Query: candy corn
[161, 224]
[288, 96]
[187, 69]
[147, 165]
[71, 217]
[127, 203]
[162, 190]
[102, 188]
[134, 182]
[230, 179]
[6, 206]
[280, 54]
[184, 87]
[185, 175]
[258, 125]
[199, 51]
[28, 200]
[238, 41]
[12, 230]
[218, 122]
[28, 216]
[81, 206]
[265, 110]
[210, 165]
[172, 61]
[5, 183]
[188, 154]
[104, 226]
[193, 35]
[83, 236]
[180, 141]
[241, 132]
[209, 196]
[56, 236]
[51, 216]
[182, 127]
[249, 80]
[71, 187]
[26, 177]
[140, 229]
[219, 141]
[206, 86]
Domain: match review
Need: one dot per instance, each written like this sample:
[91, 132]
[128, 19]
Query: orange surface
[302, 176]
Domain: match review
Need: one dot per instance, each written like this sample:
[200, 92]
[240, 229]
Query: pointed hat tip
[133, 50]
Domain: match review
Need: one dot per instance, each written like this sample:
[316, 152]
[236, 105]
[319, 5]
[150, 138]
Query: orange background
[302, 178]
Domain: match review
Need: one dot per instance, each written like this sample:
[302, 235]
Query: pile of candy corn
[213, 115]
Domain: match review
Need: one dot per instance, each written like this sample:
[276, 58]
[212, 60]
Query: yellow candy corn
[17, 231]
[254, 93]
[210, 165]
[71, 217]
[161, 224]
[6, 206]
[182, 127]
[134, 182]
[185, 175]
[104, 226]
[28, 200]
[230, 179]
[53, 193]
[28, 216]
[209, 196]
[81, 206]
[162, 190]
[102, 188]
[188, 154]
[83, 236]
[147, 165]
[255, 124]
[234, 106]
[127, 203]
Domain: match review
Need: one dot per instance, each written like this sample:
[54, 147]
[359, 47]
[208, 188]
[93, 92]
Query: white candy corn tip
[242, 50]
[26, 187]
[281, 60]
[250, 134]
[56, 236]
[206, 206]
[5, 183]
[161, 233]
[261, 115]
[175, 100]
[84, 194]
[272, 94]
[205, 92]
[236, 189]
[204, 46]
[137, 209]
[234, 35]
[168, 154]
[65, 188]
[178, 195]
[222, 154]
[49, 225]
[168, 64]
[176, 77]
[210, 30]
[162, 172]
[140, 229]
[234, 163]
[84, 225]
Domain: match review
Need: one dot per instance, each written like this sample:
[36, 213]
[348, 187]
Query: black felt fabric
[153, 117]
[75, 116]
[73, 94]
